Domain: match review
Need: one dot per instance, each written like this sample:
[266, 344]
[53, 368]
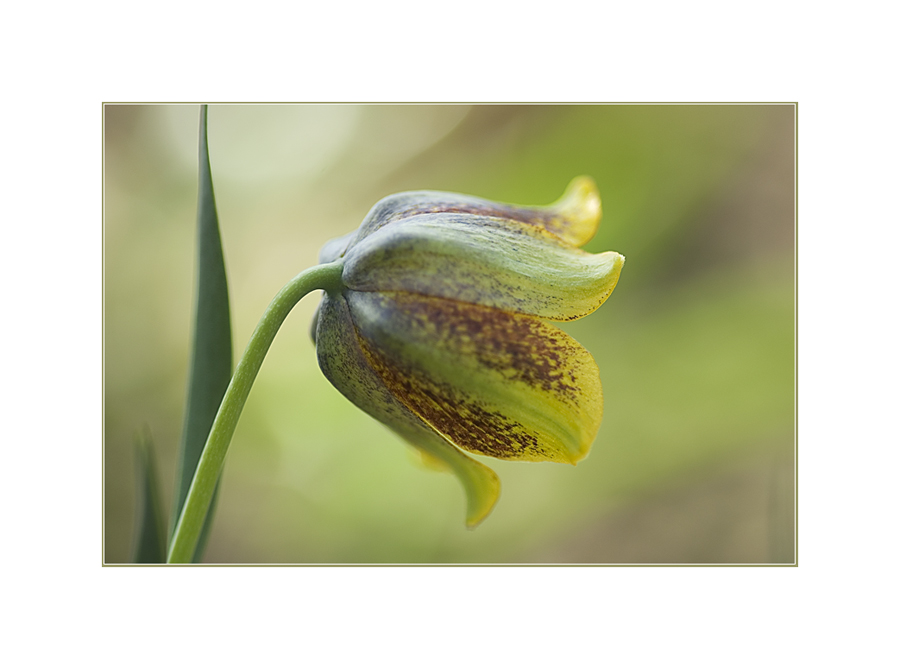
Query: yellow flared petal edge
[506, 265]
[491, 382]
[579, 212]
[347, 367]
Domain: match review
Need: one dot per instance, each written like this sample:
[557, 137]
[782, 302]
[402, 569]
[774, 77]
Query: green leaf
[211, 352]
[149, 534]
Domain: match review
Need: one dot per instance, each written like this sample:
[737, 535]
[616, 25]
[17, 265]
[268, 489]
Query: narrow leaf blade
[149, 528]
[211, 351]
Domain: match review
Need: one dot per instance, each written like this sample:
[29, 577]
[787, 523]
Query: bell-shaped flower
[441, 329]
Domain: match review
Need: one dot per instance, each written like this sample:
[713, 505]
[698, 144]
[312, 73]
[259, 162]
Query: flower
[440, 328]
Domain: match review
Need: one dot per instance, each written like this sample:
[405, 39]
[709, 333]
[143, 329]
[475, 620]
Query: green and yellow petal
[506, 265]
[348, 368]
[492, 382]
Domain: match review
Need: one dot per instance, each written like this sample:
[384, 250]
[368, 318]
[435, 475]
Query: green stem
[196, 505]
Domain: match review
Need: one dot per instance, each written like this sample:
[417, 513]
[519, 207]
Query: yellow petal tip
[580, 205]
[482, 492]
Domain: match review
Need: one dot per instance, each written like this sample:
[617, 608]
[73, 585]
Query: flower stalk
[190, 523]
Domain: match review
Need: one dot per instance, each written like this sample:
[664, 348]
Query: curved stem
[196, 505]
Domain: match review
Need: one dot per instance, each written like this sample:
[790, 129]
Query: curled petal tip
[580, 206]
[481, 502]
[613, 263]
[590, 288]
[481, 483]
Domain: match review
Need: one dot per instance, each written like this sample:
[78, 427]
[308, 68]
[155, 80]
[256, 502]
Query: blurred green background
[694, 461]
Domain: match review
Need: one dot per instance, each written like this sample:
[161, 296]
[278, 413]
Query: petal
[501, 384]
[346, 366]
[572, 219]
[503, 264]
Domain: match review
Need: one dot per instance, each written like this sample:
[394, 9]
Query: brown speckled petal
[348, 368]
[492, 382]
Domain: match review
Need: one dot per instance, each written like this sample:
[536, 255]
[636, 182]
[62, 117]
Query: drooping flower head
[441, 329]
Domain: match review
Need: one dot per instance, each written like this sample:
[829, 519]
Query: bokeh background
[694, 462]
